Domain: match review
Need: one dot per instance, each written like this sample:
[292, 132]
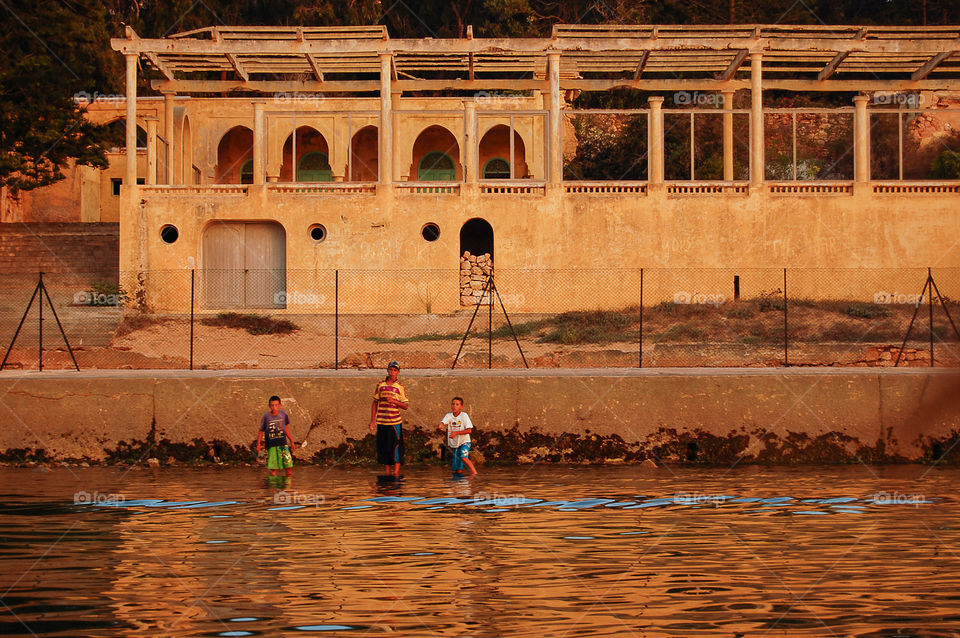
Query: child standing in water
[275, 426]
[458, 425]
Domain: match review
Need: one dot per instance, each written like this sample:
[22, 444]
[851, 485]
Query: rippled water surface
[515, 551]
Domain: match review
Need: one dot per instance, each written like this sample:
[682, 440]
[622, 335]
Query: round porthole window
[430, 232]
[318, 233]
[169, 234]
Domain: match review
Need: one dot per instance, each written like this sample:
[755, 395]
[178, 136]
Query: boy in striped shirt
[388, 399]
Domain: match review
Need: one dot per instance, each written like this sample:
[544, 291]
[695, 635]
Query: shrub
[254, 324]
[867, 310]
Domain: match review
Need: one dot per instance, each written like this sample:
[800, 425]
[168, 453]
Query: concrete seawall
[797, 415]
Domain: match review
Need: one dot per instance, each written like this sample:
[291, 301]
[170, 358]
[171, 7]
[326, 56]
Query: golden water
[543, 550]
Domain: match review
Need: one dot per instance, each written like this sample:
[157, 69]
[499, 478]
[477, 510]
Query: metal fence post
[40, 327]
[786, 340]
[640, 338]
[336, 319]
[192, 297]
[930, 304]
[492, 287]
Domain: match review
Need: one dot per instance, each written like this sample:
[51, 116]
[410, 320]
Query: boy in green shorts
[275, 426]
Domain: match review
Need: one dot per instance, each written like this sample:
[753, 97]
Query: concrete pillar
[130, 176]
[259, 143]
[756, 119]
[861, 140]
[152, 124]
[471, 150]
[397, 159]
[727, 136]
[168, 132]
[555, 145]
[386, 119]
[655, 141]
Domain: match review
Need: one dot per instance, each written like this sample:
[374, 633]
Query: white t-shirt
[456, 424]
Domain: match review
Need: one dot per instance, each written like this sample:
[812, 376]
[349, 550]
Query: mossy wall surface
[769, 416]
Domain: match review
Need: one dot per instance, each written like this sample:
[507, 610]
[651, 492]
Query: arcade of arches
[435, 156]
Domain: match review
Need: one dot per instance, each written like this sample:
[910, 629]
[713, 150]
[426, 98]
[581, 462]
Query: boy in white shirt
[459, 427]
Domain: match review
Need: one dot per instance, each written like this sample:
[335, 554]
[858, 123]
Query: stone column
[259, 143]
[756, 120]
[655, 141]
[555, 143]
[168, 132]
[130, 176]
[727, 136]
[152, 124]
[471, 151]
[861, 140]
[385, 159]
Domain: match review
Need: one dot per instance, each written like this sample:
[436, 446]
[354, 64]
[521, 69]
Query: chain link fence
[569, 318]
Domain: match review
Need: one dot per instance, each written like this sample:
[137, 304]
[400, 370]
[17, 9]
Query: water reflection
[555, 551]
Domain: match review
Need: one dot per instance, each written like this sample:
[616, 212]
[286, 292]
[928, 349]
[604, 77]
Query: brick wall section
[67, 248]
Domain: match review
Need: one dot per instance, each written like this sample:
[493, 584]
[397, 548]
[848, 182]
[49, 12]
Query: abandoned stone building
[272, 157]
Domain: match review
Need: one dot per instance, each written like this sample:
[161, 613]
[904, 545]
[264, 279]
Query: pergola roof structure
[349, 59]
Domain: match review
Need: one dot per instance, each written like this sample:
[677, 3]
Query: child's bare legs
[469, 464]
[273, 472]
[396, 469]
[290, 471]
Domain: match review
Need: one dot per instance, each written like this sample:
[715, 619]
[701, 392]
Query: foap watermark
[499, 98]
[696, 498]
[884, 297]
[903, 100]
[297, 298]
[296, 498]
[496, 499]
[86, 498]
[299, 99]
[83, 97]
[696, 98]
[699, 298]
[898, 498]
[94, 298]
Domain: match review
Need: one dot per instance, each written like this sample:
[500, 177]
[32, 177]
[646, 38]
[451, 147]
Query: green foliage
[107, 293]
[51, 52]
[589, 327]
[946, 165]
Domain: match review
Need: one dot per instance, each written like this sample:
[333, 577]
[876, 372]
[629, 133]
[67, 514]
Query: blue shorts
[459, 454]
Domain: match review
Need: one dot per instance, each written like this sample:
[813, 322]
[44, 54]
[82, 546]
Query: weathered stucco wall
[712, 416]
[597, 234]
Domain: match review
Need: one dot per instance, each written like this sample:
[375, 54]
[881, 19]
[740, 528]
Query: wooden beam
[498, 46]
[768, 83]
[641, 65]
[930, 65]
[734, 65]
[346, 86]
[265, 86]
[831, 66]
[317, 73]
[159, 65]
[237, 67]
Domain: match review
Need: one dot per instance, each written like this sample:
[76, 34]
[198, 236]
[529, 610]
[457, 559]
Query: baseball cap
[393, 364]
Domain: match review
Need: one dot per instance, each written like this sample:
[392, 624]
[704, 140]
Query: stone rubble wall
[474, 271]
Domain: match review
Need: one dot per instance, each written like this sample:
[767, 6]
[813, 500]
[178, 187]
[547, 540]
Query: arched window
[314, 167]
[436, 166]
[246, 172]
[497, 168]
[234, 153]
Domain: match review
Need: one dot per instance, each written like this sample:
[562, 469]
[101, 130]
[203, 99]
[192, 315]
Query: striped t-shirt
[389, 414]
